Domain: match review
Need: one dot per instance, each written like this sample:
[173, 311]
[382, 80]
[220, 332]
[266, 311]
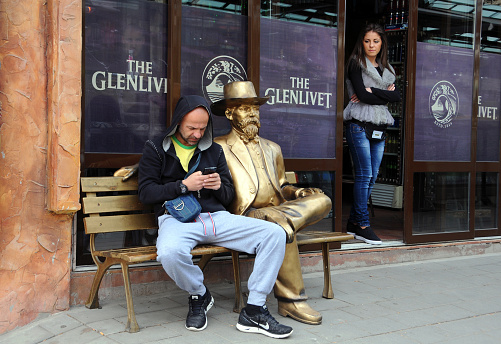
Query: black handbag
[184, 208]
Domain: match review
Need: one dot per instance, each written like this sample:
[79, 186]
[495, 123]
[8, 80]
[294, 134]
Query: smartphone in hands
[209, 170]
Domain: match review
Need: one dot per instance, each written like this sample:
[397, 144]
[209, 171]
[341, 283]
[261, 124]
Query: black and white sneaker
[197, 314]
[351, 228]
[263, 323]
[366, 234]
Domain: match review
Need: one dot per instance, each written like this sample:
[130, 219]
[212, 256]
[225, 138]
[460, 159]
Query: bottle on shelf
[397, 12]
[404, 13]
[391, 17]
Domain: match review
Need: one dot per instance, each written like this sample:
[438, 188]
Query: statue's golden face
[245, 118]
[244, 111]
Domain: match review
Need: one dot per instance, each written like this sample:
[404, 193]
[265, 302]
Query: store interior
[386, 211]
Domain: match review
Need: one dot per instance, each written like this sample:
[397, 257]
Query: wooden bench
[111, 205]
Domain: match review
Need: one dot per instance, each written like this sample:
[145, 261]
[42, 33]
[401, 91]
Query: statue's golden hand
[303, 192]
[126, 172]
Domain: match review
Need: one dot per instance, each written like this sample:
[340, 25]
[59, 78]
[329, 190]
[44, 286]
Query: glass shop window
[441, 202]
[486, 200]
[488, 125]
[444, 79]
[214, 50]
[125, 74]
[125, 88]
[446, 22]
[298, 69]
[489, 100]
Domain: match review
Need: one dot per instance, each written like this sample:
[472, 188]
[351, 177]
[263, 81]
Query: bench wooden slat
[316, 237]
[142, 249]
[108, 204]
[131, 256]
[119, 223]
[208, 249]
[147, 253]
[107, 184]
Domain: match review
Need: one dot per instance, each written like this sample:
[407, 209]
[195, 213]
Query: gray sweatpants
[264, 239]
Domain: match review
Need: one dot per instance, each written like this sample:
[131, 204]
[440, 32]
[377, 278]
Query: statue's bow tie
[247, 140]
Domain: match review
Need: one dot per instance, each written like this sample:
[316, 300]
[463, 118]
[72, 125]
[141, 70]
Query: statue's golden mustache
[249, 120]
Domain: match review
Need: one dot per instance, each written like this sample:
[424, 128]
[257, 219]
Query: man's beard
[250, 127]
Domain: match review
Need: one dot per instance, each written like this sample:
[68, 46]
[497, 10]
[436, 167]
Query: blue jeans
[366, 156]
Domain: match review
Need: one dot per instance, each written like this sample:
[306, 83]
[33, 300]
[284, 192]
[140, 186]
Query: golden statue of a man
[262, 191]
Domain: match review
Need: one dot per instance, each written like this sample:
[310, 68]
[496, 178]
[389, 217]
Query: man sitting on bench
[162, 170]
[262, 191]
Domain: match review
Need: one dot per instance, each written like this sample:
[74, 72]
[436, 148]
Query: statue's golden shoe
[300, 311]
[126, 172]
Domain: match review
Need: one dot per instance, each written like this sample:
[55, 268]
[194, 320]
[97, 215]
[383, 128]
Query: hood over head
[185, 105]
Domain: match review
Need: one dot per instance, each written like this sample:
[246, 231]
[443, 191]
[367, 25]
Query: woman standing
[370, 83]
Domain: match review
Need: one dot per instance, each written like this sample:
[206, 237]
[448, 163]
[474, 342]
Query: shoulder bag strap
[194, 166]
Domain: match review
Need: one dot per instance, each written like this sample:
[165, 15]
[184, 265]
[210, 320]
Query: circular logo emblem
[220, 71]
[444, 103]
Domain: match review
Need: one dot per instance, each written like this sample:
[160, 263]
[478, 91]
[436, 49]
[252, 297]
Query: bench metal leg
[93, 299]
[239, 300]
[327, 293]
[204, 260]
[132, 325]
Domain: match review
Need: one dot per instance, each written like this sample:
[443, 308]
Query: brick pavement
[449, 300]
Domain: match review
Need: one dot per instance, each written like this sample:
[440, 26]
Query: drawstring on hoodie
[205, 227]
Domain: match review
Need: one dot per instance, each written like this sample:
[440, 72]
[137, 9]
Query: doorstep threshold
[397, 243]
[362, 245]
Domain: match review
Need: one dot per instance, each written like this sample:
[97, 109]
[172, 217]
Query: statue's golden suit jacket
[243, 171]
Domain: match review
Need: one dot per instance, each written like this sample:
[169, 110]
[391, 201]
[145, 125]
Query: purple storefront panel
[298, 73]
[443, 108]
[125, 74]
[213, 53]
[489, 103]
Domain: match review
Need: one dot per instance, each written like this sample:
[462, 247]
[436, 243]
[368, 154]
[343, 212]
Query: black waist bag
[373, 131]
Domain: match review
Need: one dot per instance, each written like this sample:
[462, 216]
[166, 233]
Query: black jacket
[161, 173]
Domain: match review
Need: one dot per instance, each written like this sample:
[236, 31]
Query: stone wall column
[40, 57]
[64, 54]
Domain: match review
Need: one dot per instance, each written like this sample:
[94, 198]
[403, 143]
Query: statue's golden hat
[237, 93]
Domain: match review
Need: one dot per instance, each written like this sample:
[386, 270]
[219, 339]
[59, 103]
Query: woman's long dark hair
[358, 54]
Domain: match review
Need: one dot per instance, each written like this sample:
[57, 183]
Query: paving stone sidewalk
[451, 300]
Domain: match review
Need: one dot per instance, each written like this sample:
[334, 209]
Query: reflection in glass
[446, 22]
[324, 180]
[298, 72]
[486, 200]
[441, 201]
[125, 76]
[489, 102]
[316, 12]
[490, 40]
[235, 6]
